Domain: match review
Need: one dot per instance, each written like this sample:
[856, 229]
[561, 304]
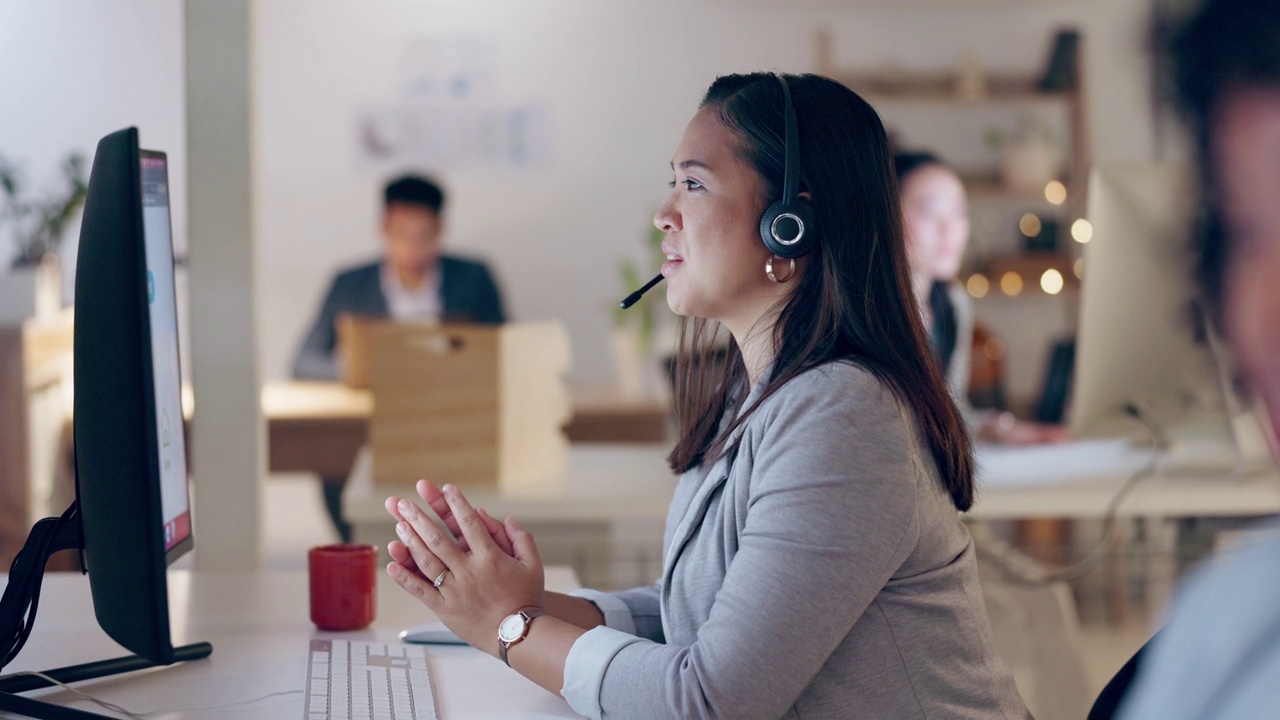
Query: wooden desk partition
[470, 405]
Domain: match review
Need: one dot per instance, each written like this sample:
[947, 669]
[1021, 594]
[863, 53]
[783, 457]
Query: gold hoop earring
[768, 270]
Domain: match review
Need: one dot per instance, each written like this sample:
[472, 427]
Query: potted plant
[37, 224]
[636, 329]
[1030, 156]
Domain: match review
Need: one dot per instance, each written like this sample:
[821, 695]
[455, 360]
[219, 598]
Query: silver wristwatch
[513, 629]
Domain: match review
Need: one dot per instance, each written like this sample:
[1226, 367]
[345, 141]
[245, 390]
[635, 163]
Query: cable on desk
[1025, 571]
[154, 713]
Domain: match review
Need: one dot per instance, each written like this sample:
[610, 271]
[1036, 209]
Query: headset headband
[792, 151]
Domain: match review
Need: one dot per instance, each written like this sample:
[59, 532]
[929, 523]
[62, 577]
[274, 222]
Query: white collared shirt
[421, 303]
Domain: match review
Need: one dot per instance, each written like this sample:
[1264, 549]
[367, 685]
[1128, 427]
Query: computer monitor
[132, 517]
[1144, 342]
[131, 464]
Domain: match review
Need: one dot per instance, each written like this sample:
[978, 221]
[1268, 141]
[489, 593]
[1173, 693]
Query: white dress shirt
[421, 303]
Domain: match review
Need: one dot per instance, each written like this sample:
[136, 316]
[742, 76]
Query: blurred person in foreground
[1218, 655]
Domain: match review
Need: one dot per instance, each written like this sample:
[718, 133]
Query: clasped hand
[487, 569]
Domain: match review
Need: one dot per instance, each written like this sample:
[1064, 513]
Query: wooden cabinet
[35, 378]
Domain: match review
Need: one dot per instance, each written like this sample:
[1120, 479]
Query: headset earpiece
[787, 226]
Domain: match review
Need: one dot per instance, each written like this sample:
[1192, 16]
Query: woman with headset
[815, 563]
[936, 221]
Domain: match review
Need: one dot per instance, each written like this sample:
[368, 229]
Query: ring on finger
[440, 578]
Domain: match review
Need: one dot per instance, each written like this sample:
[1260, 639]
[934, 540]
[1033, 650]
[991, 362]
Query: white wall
[72, 71]
[621, 79]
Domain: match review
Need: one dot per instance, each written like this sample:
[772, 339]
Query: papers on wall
[454, 68]
[448, 114]
[452, 135]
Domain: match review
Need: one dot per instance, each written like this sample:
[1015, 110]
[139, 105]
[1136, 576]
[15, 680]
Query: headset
[787, 227]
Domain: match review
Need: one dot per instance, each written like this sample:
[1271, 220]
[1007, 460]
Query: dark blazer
[467, 294]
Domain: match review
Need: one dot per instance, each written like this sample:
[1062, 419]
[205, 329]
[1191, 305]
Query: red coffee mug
[342, 585]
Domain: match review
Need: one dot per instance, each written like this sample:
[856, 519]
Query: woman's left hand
[476, 589]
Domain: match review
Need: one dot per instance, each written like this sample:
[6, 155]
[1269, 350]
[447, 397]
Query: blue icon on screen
[151, 288]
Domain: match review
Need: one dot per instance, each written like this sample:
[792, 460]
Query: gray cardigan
[822, 572]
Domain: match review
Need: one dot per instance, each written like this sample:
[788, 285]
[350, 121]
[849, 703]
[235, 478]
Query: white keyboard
[352, 680]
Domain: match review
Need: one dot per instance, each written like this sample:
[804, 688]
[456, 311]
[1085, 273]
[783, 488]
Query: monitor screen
[175, 508]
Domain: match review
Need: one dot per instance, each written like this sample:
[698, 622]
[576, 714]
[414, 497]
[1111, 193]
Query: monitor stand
[1231, 443]
[1230, 448]
[49, 536]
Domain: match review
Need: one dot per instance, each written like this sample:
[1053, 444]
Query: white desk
[259, 626]
[1165, 497]
[1079, 480]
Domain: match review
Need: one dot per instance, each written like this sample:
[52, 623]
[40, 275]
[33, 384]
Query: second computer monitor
[1143, 339]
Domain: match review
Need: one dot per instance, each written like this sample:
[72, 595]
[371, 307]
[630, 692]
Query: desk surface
[259, 627]
[1080, 479]
[315, 401]
[320, 400]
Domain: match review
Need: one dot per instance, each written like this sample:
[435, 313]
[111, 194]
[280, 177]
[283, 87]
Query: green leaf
[39, 224]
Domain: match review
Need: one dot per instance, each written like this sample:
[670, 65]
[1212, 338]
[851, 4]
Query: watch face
[511, 629]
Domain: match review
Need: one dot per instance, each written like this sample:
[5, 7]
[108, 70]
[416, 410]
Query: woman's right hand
[434, 497]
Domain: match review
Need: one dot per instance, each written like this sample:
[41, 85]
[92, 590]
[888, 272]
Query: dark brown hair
[1227, 45]
[414, 190]
[853, 301]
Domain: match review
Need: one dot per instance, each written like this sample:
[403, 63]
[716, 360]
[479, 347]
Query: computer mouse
[434, 633]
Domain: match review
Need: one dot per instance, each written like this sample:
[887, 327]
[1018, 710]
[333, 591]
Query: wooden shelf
[987, 186]
[941, 89]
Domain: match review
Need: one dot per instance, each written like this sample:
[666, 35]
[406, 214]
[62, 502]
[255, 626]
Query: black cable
[37, 582]
[17, 595]
[21, 599]
[23, 584]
